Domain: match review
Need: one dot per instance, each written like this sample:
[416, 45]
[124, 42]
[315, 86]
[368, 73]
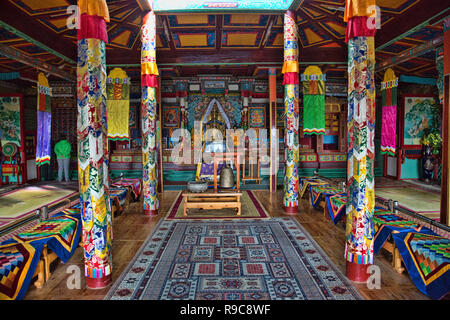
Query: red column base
[98, 283]
[150, 213]
[357, 272]
[291, 211]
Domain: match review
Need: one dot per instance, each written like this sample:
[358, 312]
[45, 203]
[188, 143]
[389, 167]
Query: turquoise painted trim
[411, 31]
[35, 42]
[241, 5]
[417, 80]
[9, 75]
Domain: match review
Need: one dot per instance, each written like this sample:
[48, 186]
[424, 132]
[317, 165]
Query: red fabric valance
[92, 27]
[290, 78]
[149, 80]
[360, 27]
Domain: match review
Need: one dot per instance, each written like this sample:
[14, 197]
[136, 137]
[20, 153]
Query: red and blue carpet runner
[253, 259]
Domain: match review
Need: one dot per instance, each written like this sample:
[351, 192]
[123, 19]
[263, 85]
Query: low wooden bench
[212, 200]
[390, 247]
[43, 268]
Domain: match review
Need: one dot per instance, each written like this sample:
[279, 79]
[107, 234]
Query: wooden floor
[131, 228]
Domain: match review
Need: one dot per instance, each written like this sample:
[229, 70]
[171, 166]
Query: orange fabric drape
[359, 8]
[94, 8]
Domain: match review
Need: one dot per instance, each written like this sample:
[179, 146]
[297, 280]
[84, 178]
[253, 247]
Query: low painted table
[212, 200]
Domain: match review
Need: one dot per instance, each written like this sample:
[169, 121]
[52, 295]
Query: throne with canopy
[214, 122]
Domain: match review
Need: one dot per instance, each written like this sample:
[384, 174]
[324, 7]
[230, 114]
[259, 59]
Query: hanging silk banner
[44, 121]
[149, 82]
[93, 143]
[291, 103]
[313, 101]
[361, 133]
[389, 113]
[118, 104]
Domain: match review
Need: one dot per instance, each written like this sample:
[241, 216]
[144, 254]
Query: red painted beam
[309, 55]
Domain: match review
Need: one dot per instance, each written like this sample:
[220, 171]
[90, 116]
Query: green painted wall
[410, 169]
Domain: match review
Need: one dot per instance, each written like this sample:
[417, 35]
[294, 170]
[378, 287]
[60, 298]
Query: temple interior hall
[212, 150]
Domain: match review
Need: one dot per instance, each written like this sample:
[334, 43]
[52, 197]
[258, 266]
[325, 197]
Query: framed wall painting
[11, 115]
[417, 117]
[280, 117]
[171, 117]
[12, 128]
[257, 117]
[133, 117]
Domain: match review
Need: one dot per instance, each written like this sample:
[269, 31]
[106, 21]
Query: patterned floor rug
[251, 208]
[252, 259]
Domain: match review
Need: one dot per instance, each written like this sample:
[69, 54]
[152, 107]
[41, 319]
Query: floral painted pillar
[291, 96]
[361, 132]
[92, 143]
[149, 82]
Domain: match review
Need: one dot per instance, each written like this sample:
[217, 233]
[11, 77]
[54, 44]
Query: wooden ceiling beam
[144, 5]
[418, 16]
[18, 56]
[24, 24]
[219, 31]
[341, 42]
[410, 54]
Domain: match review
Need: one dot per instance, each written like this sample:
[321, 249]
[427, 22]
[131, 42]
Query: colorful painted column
[273, 129]
[445, 181]
[361, 131]
[44, 121]
[92, 143]
[149, 82]
[291, 96]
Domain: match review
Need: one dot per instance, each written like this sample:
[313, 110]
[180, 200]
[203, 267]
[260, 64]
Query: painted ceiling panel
[249, 20]
[192, 20]
[241, 39]
[38, 6]
[320, 26]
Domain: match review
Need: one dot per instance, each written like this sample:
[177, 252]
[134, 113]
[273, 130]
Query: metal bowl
[197, 186]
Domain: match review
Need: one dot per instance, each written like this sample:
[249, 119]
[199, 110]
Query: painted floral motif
[92, 157]
[361, 129]
[148, 112]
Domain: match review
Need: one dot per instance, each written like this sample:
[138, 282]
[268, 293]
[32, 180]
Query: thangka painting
[171, 116]
[280, 117]
[256, 117]
[418, 116]
[133, 117]
[10, 107]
